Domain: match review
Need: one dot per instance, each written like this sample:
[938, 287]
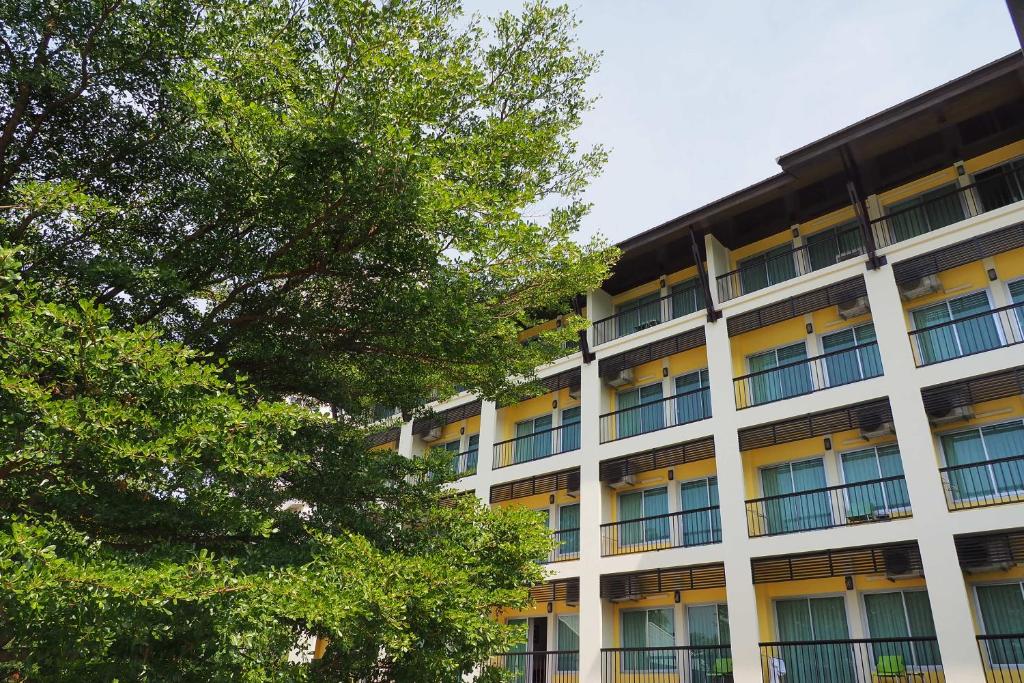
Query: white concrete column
[592, 628]
[717, 264]
[739, 585]
[485, 457]
[599, 306]
[949, 601]
[405, 440]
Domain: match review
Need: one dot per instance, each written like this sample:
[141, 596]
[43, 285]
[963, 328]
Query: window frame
[951, 324]
[863, 606]
[675, 638]
[979, 428]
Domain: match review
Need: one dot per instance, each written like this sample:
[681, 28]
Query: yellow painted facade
[653, 372]
[530, 409]
[702, 469]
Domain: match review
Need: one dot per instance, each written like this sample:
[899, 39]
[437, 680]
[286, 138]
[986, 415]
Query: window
[773, 266]
[808, 619]
[650, 628]
[902, 614]
[638, 314]
[991, 445]
[569, 529]
[687, 298]
[708, 627]
[834, 245]
[641, 506]
[533, 439]
[1001, 185]
[472, 454]
[1002, 613]
[568, 642]
[779, 374]
[640, 410]
[453, 448]
[786, 507]
[926, 212]
[863, 362]
[873, 499]
[569, 439]
[938, 341]
[1017, 296]
[693, 400]
[700, 524]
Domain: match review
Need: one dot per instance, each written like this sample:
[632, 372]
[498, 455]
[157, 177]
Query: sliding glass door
[983, 445]
[779, 374]
[869, 501]
[793, 510]
[809, 619]
[700, 525]
[974, 334]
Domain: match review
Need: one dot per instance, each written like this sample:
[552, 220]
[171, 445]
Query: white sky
[698, 97]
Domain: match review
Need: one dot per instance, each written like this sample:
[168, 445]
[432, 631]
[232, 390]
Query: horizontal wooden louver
[668, 456]
[990, 550]
[543, 483]
[895, 559]
[465, 411]
[654, 581]
[383, 437]
[996, 385]
[570, 379]
[959, 254]
[560, 590]
[815, 424]
[793, 307]
[663, 348]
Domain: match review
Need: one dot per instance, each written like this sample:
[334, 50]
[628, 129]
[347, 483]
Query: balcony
[981, 484]
[555, 666]
[849, 661]
[808, 375]
[674, 530]
[568, 547]
[786, 263]
[538, 445]
[826, 508]
[682, 408]
[685, 298]
[1003, 656]
[939, 208]
[679, 664]
[464, 464]
[968, 335]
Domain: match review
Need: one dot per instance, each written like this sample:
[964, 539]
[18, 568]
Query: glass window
[870, 498]
[472, 453]
[650, 628]
[990, 450]
[569, 529]
[693, 400]
[851, 355]
[769, 268]
[638, 314]
[1017, 297]
[787, 508]
[902, 614]
[700, 524]
[687, 297]
[974, 333]
[708, 627]
[778, 374]
[1001, 185]
[568, 643]
[834, 245]
[569, 434]
[926, 212]
[808, 619]
[533, 439]
[642, 506]
[1002, 613]
[639, 410]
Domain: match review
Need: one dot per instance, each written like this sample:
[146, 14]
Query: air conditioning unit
[948, 413]
[918, 287]
[874, 425]
[899, 564]
[574, 392]
[433, 435]
[984, 554]
[622, 378]
[622, 481]
[853, 307]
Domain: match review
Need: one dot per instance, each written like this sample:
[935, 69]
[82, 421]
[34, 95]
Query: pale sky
[698, 97]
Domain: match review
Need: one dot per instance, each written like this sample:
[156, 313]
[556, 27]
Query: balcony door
[805, 620]
[700, 525]
[926, 212]
[708, 630]
[866, 500]
[769, 268]
[779, 374]
[533, 439]
[981, 446]
[902, 614]
[1002, 613]
[974, 333]
[569, 530]
[525, 666]
[1001, 185]
[833, 245]
[639, 314]
[643, 515]
[694, 397]
[793, 509]
[843, 366]
[569, 440]
[640, 410]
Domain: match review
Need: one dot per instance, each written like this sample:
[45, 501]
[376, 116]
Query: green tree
[148, 532]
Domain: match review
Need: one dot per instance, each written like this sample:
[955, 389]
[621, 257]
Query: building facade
[792, 446]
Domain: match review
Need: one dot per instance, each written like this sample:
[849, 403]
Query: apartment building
[791, 447]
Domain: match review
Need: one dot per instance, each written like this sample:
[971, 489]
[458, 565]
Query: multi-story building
[792, 446]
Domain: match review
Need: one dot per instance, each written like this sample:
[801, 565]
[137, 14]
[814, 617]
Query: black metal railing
[673, 530]
[829, 507]
[852, 661]
[555, 666]
[940, 209]
[680, 664]
[969, 335]
[641, 317]
[542, 444]
[464, 464]
[808, 375]
[568, 547]
[1003, 656]
[761, 273]
[683, 408]
[980, 484]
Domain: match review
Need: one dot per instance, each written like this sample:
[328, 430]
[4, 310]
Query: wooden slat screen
[901, 558]
[559, 590]
[990, 549]
[678, 454]
[996, 385]
[654, 581]
[787, 309]
[814, 424]
[959, 254]
[542, 483]
[383, 437]
[424, 424]
[663, 348]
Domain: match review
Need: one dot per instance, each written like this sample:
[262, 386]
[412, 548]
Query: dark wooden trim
[382, 437]
[814, 424]
[655, 581]
[667, 456]
[877, 559]
[531, 486]
[796, 306]
[422, 425]
[990, 387]
[663, 348]
[959, 254]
